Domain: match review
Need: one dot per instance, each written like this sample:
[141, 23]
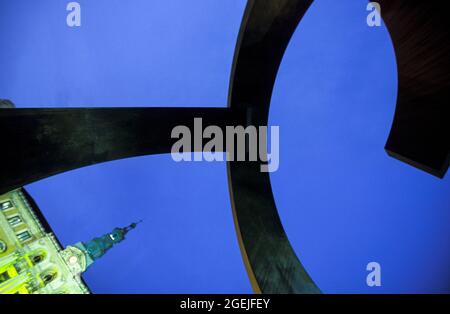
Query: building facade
[33, 261]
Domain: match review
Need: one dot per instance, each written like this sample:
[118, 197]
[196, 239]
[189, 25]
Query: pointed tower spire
[95, 248]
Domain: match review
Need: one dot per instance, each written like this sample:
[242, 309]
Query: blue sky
[343, 201]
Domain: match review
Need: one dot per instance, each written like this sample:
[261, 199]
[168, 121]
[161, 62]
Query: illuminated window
[19, 267]
[6, 205]
[37, 257]
[4, 277]
[14, 221]
[48, 276]
[24, 236]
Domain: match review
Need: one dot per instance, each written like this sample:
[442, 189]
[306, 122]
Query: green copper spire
[97, 247]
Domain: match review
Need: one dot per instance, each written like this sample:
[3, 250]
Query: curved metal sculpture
[45, 142]
[421, 36]
[270, 261]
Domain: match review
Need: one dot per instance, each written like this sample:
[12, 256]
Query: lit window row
[15, 220]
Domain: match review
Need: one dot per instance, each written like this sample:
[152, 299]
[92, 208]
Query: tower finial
[132, 226]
